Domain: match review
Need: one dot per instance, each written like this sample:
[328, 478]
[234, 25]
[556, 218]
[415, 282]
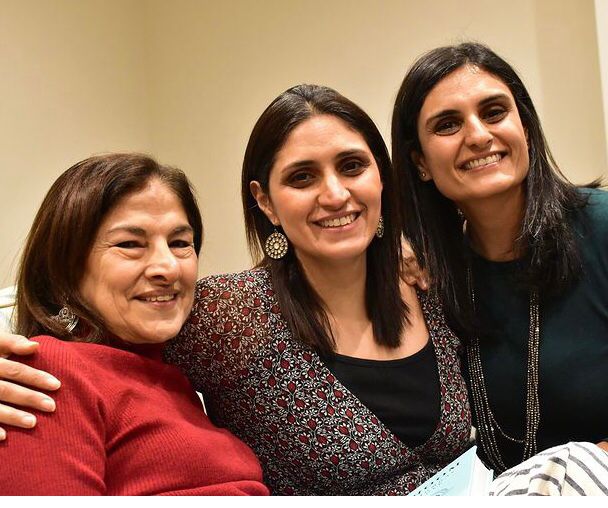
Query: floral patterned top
[312, 436]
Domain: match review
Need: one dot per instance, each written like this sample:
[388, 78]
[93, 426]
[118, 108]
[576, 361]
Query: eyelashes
[351, 167]
[452, 124]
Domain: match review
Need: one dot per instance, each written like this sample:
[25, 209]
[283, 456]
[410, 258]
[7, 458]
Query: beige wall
[73, 82]
[571, 89]
[601, 21]
[187, 79]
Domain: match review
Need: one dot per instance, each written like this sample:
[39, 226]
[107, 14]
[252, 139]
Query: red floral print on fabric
[312, 436]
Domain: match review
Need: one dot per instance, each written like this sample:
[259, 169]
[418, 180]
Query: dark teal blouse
[573, 344]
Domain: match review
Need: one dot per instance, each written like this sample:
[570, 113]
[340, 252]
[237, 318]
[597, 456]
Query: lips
[336, 222]
[483, 161]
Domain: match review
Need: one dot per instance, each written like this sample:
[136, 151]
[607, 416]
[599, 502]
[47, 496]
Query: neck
[493, 225]
[341, 286]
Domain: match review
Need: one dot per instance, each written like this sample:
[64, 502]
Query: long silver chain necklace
[487, 425]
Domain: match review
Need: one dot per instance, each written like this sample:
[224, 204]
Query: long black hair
[300, 304]
[432, 223]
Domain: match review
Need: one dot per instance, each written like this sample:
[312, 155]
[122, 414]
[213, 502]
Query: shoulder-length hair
[64, 230]
[432, 223]
[300, 304]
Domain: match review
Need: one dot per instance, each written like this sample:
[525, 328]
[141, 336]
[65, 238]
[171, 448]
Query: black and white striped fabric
[574, 469]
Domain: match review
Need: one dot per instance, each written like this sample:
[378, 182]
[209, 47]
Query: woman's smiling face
[141, 270]
[473, 143]
[324, 190]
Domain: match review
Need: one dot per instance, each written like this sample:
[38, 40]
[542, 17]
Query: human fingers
[27, 376]
[412, 274]
[15, 417]
[18, 395]
[15, 344]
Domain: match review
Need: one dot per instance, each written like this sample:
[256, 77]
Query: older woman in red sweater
[107, 277]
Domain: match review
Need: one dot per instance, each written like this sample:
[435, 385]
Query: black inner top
[404, 394]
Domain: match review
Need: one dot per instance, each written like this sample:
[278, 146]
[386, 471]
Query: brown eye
[300, 179]
[180, 244]
[495, 115]
[131, 244]
[447, 127]
[354, 166]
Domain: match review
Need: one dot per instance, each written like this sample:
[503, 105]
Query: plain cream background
[185, 80]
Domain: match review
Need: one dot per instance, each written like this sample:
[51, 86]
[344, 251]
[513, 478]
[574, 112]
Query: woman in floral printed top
[340, 380]
[312, 435]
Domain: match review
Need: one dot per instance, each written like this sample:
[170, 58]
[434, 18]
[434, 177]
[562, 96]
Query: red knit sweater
[126, 424]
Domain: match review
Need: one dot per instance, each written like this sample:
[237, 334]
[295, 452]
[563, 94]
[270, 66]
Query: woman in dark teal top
[518, 254]
[573, 345]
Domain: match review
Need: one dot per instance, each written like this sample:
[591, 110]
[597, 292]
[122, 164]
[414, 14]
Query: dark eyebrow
[450, 112]
[299, 165]
[186, 228]
[350, 153]
[137, 231]
[492, 98]
[441, 114]
[134, 230]
[308, 163]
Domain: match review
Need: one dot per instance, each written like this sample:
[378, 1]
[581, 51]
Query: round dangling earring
[380, 228]
[276, 245]
[66, 318]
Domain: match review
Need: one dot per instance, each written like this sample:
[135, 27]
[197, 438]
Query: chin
[346, 254]
[161, 335]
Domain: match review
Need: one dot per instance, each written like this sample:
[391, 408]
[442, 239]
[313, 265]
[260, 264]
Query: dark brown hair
[63, 232]
[300, 304]
[432, 221]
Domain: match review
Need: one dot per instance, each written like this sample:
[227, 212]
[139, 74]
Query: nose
[477, 134]
[162, 264]
[334, 193]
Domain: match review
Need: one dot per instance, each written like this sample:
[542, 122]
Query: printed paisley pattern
[312, 436]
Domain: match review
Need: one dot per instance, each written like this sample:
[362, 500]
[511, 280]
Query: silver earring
[66, 318]
[276, 245]
[380, 228]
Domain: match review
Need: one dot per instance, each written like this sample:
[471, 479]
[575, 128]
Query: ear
[263, 201]
[420, 162]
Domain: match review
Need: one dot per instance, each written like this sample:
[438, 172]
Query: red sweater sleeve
[65, 453]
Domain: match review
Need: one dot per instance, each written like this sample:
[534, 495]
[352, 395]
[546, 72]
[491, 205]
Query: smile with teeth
[337, 222]
[484, 161]
[160, 298]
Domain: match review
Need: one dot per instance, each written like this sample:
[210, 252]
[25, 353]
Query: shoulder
[255, 279]
[431, 306]
[82, 368]
[593, 218]
[436, 322]
[62, 354]
[90, 363]
[597, 198]
[218, 296]
[232, 313]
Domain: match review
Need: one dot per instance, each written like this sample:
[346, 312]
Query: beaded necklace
[487, 425]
